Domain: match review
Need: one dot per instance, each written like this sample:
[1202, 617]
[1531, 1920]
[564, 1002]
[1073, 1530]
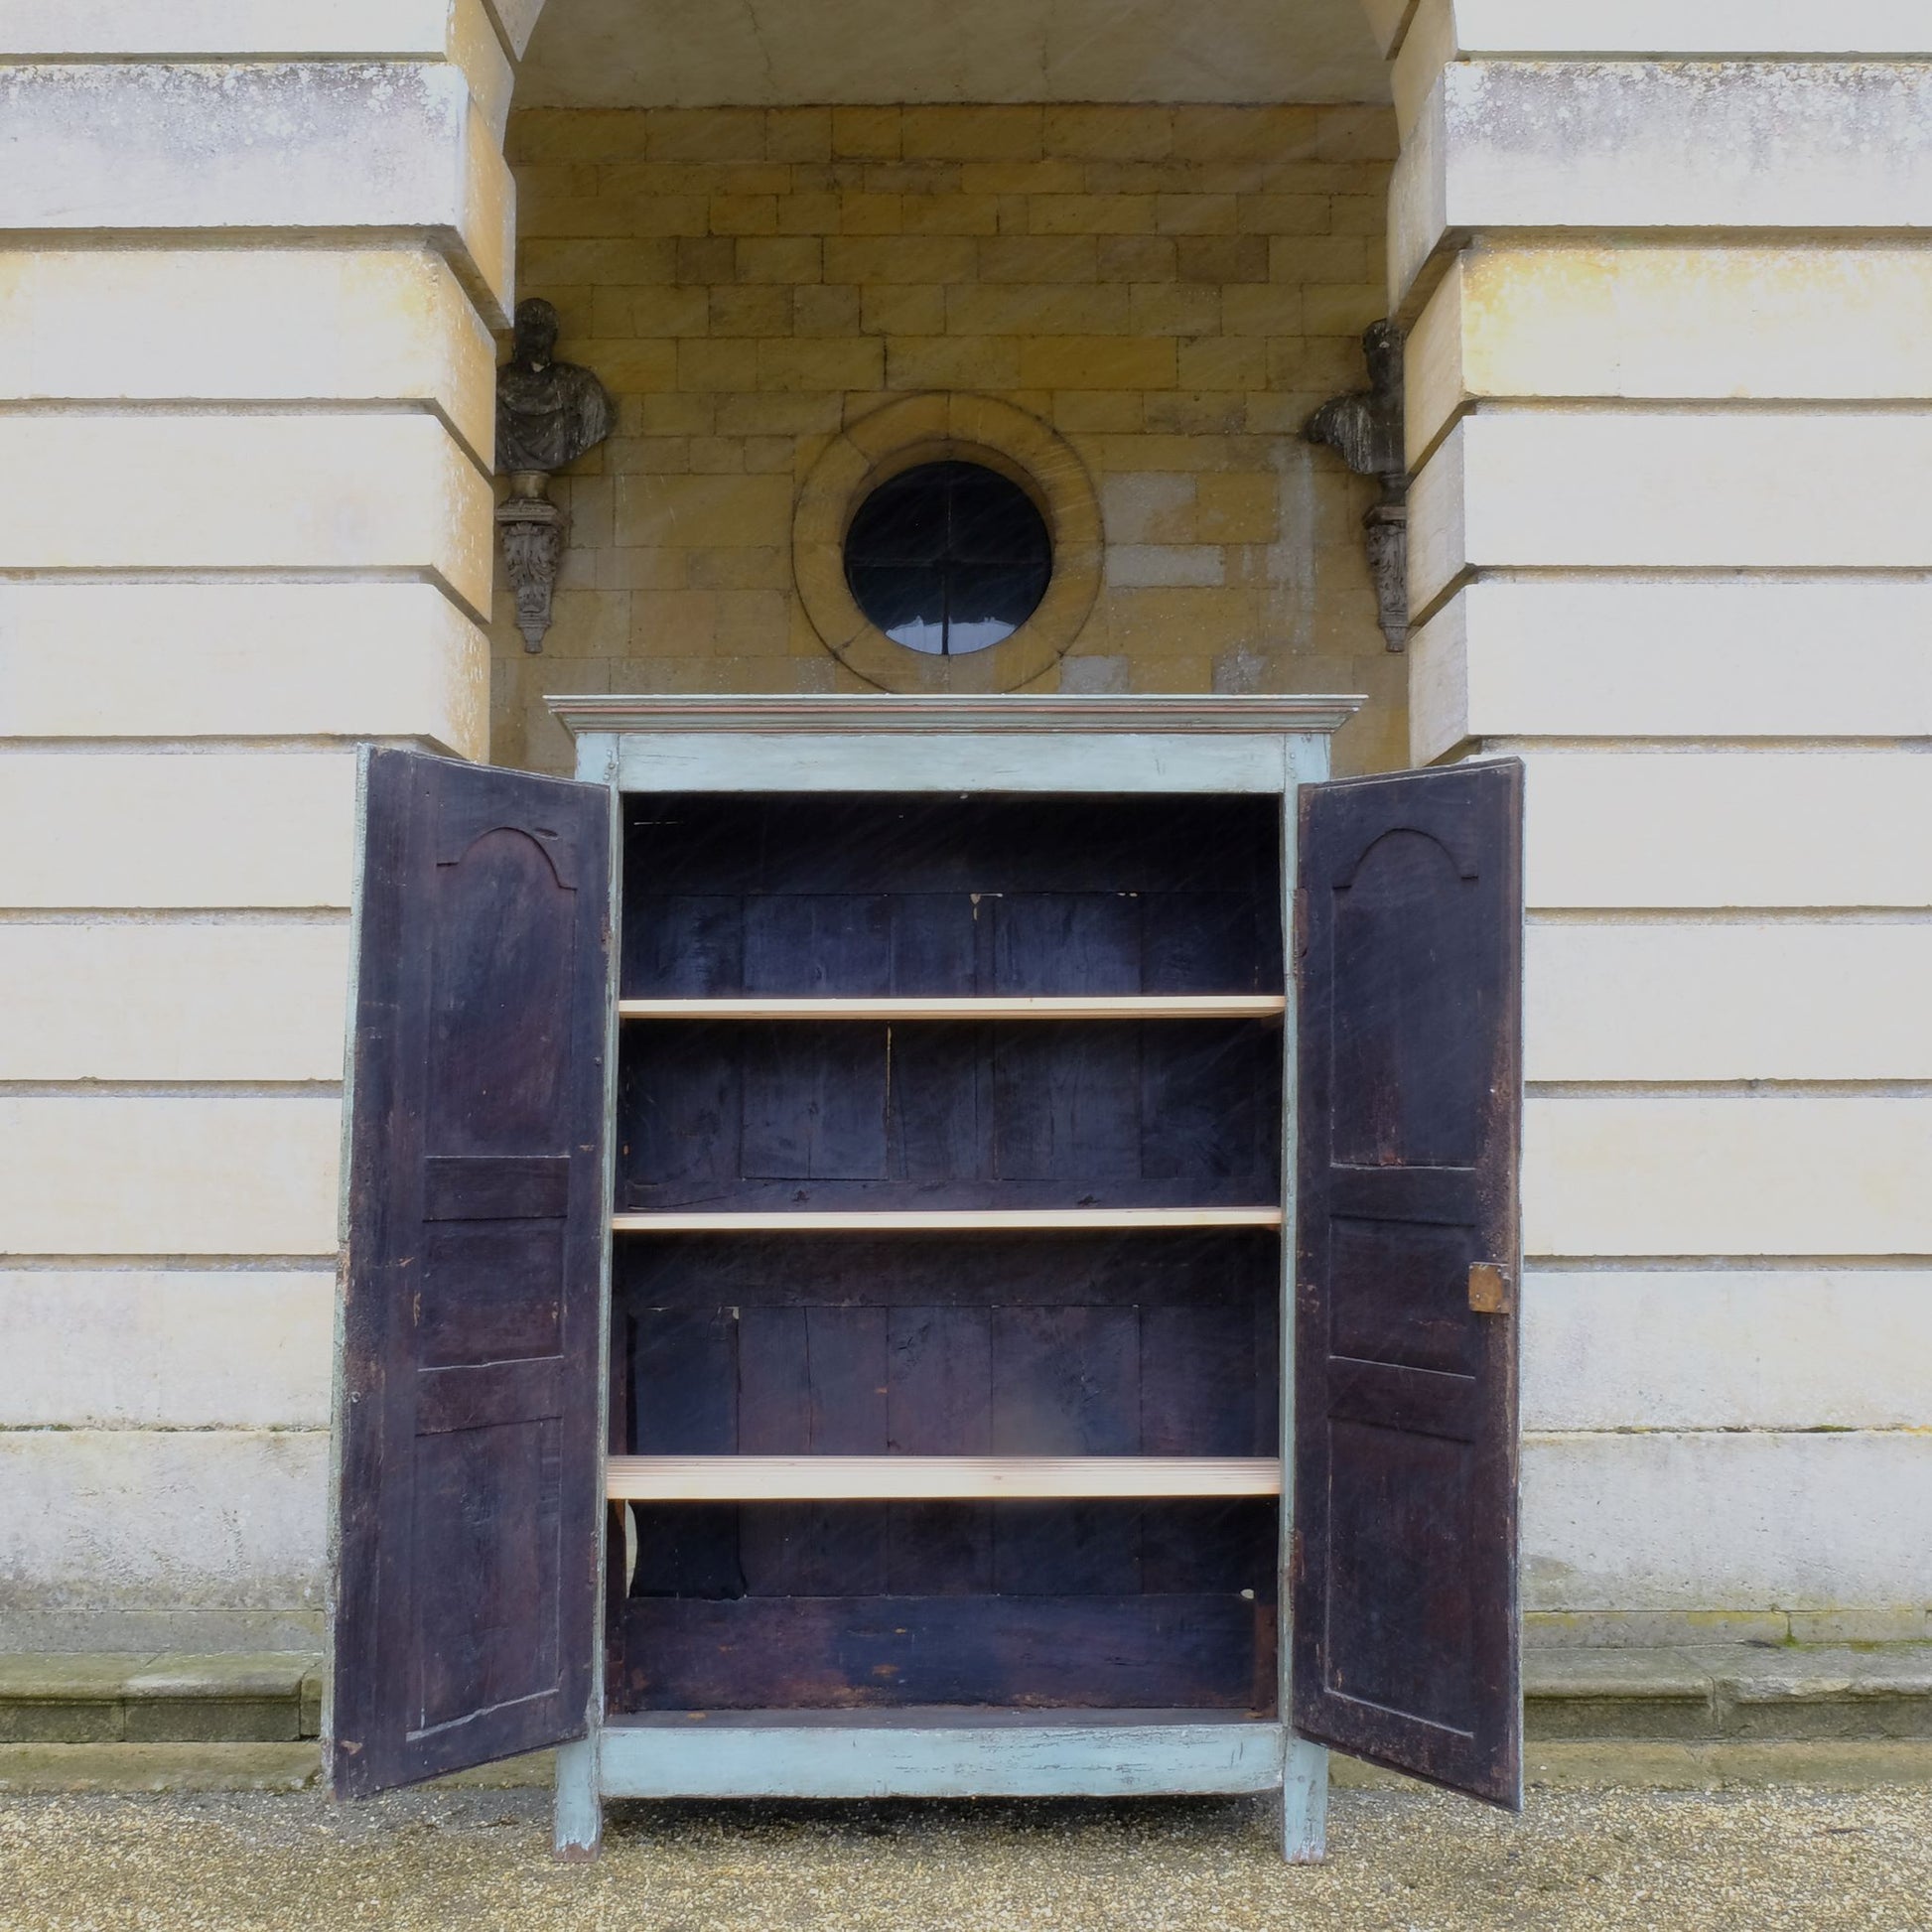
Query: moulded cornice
[890, 712]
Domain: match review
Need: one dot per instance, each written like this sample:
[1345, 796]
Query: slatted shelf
[944, 1220]
[1135, 1006]
[871, 1478]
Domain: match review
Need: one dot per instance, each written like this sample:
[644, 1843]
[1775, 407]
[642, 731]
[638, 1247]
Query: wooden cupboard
[932, 1246]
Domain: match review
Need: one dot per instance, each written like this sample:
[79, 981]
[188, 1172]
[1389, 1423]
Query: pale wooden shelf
[1124, 1006]
[958, 1220]
[919, 1479]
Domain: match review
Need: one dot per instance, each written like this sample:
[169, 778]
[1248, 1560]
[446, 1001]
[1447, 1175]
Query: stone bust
[548, 413]
[1365, 428]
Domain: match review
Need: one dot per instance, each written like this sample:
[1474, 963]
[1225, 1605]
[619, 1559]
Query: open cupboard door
[1403, 1573]
[467, 1420]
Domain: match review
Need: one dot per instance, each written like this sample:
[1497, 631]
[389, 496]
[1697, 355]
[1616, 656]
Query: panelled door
[468, 1454]
[1403, 1573]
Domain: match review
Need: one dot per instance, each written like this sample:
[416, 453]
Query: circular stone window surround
[933, 429]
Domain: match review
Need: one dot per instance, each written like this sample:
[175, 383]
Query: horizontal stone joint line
[1720, 915]
[1914, 744]
[185, 1089]
[502, 34]
[1409, 301]
[1452, 587]
[1726, 1429]
[146, 915]
[169, 1264]
[1621, 1264]
[252, 744]
[374, 239]
[1475, 408]
[1706, 57]
[216, 574]
[1404, 29]
[1632, 407]
[11, 1430]
[245, 574]
[1419, 460]
[204, 408]
[1698, 233]
[440, 237]
[1702, 574]
[375, 234]
[240, 57]
[1747, 1089]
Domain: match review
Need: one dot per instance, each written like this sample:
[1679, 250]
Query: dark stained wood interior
[466, 1586]
[878, 895]
[926, 1114]
[1044, 1344]
[1406, 1621]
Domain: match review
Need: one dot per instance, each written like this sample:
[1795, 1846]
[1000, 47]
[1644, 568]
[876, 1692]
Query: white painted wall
[246, 397]
[1626, 445]
[1658, 551]
[140, 1347]
[1761, 1519]
[1787, 1348]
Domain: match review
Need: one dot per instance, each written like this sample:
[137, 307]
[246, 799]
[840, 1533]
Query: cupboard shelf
[1135, 1006]
[925, 1479]
[961, 1220]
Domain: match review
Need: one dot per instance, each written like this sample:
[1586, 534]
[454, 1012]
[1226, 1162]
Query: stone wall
[254, 261]
[1668, 429]
[1170, 290]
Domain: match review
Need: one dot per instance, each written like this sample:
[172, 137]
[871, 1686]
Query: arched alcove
[1153, 234]
[633, 54]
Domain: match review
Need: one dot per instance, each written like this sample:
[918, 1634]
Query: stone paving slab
[1672, 1629]
[158, 1767]
[1664, 1673]
[1810, 1672]
[113, 1696]
[259, 1674]
[1678, 1694]
[53, 1676]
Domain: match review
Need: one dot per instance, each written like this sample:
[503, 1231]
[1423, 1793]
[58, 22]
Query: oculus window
[948, 558]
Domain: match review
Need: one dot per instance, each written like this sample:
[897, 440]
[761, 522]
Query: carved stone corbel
[548, 413]
[1366, 428]
[533, 531]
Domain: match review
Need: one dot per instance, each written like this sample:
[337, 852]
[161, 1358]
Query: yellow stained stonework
[1167, 292]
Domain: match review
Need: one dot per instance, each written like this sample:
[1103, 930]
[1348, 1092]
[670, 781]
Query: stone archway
[1053, 50]
[1164, 288]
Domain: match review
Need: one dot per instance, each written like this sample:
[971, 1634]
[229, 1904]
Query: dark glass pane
[993, 521]
[902, 521]
[948, 557]
[1006, 595]
[908, 601]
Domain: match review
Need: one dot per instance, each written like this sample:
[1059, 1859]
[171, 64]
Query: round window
[948, 558]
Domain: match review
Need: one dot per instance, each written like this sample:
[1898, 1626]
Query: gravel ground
[477, 1860]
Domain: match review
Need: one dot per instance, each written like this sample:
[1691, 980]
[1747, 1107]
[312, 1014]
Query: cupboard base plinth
[913, 1755]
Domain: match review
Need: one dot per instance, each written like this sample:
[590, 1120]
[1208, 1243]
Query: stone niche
[1163, 295]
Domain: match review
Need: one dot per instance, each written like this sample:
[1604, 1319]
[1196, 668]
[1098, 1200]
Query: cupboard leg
[1304, 1803]
[578, 1832]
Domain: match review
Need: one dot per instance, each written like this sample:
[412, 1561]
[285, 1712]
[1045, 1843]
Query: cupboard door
[1403, 1566]
[467, 1415]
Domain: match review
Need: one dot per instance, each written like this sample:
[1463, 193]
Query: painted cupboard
[932, 1246]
